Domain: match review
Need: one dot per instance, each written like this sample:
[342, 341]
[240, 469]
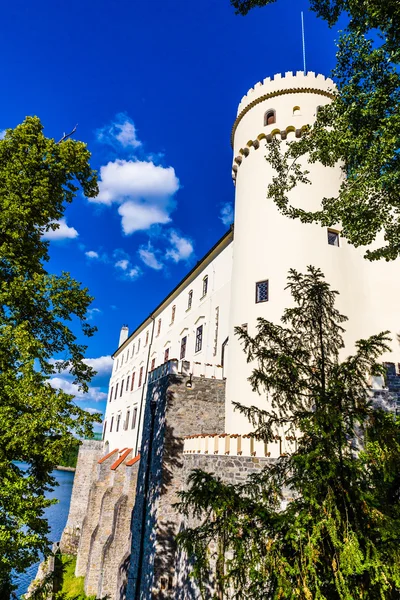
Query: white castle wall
[268, 244]
[210, 310]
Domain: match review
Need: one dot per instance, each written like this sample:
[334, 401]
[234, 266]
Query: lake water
[57, 515]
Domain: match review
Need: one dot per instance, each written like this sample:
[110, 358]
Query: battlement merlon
[287, 81]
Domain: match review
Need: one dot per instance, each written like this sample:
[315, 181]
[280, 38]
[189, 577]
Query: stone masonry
[90, 452]
[173, 411]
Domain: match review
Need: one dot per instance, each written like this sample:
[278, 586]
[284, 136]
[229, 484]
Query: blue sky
[154, 87]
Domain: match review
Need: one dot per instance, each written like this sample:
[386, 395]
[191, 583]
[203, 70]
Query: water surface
[56, 514]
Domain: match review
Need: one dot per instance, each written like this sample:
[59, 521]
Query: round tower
[267, 244]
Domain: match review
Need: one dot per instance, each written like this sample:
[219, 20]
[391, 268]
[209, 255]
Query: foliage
[338, 538]
[69, 456]
[360, 130]
[38, 176]
[72, 587]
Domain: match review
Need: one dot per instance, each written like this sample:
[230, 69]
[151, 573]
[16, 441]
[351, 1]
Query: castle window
[270, 117]
[183, 347]
[153, 364]
[111, 424]
[205, 285]
[173, 314]
[128, 414]
[333, 237]
[133, 380]
[147, 337]
[262, 291]
[116, 391]
[140, 376]
[127, 383]
[111, 393]
[190, 299]
[118, 422]
[134, 418]
[122, 388]
[199, 339]
[159, 327]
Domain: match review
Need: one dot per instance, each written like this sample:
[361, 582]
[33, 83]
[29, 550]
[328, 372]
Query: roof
[222, 243]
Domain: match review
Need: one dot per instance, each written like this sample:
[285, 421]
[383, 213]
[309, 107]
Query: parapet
[289, 81]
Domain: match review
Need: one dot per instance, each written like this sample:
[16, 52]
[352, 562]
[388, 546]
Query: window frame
[205, 286]
[267, 114]
[116, 390]
[336, 233]
[122, 388]
[190, 300]
[173, 311]
[182, 352]
[199, 339]
[259, 283]
[140, 377]
[118, 422]
[133, 380]
[112, 423]
[166, 355]
[134, 417]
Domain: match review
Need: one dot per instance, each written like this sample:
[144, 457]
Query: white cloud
[226, 213]
[92, 312]
[122, 264]
[63, 231]
[2, 134]
[94, 393]
[102, 364]
[182, 248]
[140, 217]
[92, 254]
[122, 180]
[93, 411]
[149, 258]
[134, 273]
[122, 130]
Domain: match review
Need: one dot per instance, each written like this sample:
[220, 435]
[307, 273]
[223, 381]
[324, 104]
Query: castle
[176, 376]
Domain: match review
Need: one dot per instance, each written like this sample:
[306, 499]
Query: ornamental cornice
[308, 90]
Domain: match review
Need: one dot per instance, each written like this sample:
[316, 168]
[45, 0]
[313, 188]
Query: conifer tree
[339, 536]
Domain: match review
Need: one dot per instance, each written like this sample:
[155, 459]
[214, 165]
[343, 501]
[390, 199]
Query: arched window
[270, 117]
[190, 299]
[296, 110]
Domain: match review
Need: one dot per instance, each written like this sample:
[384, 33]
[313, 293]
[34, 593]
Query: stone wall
[89, 453]
[172, 412]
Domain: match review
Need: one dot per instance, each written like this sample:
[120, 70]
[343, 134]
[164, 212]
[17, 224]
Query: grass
[72, 587]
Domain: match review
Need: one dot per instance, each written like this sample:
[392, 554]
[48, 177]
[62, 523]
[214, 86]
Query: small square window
[333, 237]
[262, 291]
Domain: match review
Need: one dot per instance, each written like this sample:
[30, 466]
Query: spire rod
[303, 41]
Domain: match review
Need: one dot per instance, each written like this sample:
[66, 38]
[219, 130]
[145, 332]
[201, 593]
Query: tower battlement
[298, 81]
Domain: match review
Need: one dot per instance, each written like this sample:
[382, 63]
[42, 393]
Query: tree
[338, 539]
[360, 129]
[38, 176]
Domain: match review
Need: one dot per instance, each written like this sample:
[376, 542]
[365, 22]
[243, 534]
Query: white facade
[266, 246]
[190, 325]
